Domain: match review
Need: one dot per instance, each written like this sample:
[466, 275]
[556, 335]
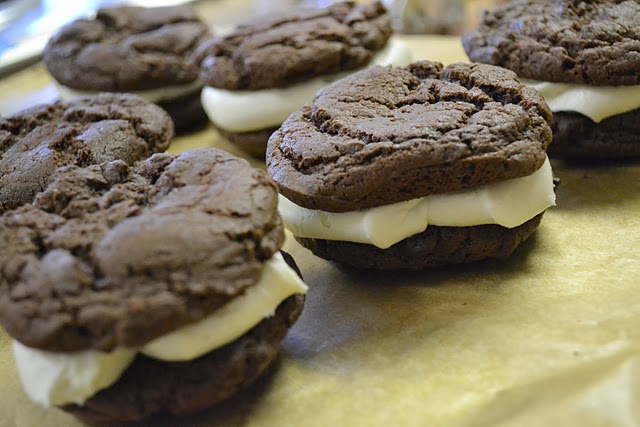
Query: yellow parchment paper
[548, 338]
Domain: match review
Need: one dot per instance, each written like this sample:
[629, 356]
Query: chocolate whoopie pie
[133, 49]
[583, 58]
[415, 167]
[87, 131]
[156, 288]
[258, 75]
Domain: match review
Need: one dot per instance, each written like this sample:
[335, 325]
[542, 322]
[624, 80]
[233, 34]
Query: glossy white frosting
[596, 102]
[509, 203]
[155, 96]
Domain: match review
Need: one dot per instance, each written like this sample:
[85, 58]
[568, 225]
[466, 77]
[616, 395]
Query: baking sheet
[550, 337]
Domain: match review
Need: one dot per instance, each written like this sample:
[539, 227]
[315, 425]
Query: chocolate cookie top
[386, 135]
[87, 131]
[295, 47]
[113, 256]
[127, 48]
[572, 41]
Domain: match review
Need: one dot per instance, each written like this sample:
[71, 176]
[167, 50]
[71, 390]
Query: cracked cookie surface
[571, 41]
[113, 256]
[36, 141]
[127, 48]
[386, 135]
[295, 47]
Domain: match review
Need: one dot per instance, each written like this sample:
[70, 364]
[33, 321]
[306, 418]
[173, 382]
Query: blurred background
[26, 25]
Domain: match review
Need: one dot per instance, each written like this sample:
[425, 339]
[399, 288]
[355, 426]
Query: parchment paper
[548, 338]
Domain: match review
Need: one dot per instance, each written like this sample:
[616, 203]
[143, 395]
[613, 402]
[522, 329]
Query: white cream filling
[154, 96]
[57, 378]
[278, 282]
[50, 378]
[508, 203]
[251, 110]
[596, 102]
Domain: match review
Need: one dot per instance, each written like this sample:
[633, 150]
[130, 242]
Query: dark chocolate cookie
[127, 49]
[35, 142]
[577, 137]
[295, 47]
[186, 112]
[386, 135]
[435, 247]
[571, 41]
[113, 256]
[151, 386]
[252, 143]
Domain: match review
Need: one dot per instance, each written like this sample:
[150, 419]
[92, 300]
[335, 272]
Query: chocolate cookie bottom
[150, 387]
[253, 143]
[435, 247]
[577, 137]
[187, 111]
